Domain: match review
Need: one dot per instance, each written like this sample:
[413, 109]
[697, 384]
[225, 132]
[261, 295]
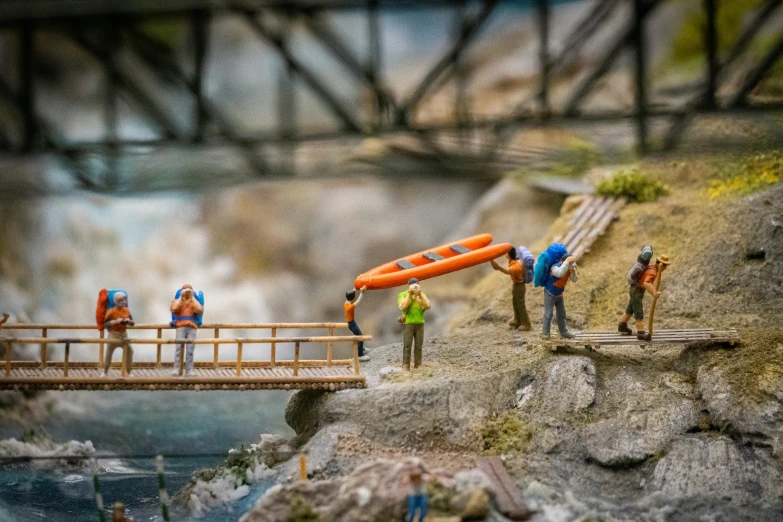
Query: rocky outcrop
[568, 386]
[374, 492]
[630, 440]
[704, 466]
[758, 420]
[393, 413]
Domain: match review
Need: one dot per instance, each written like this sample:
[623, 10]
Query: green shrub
[633, 184]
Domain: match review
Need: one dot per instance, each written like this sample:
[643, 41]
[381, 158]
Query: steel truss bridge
[107, 30]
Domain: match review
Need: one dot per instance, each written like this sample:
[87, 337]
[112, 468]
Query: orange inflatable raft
[434, 262]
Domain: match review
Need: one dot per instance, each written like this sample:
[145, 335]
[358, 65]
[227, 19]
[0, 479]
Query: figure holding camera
[413, 303]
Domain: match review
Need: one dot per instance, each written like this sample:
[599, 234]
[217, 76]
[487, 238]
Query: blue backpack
[554, 253]
[196, 318]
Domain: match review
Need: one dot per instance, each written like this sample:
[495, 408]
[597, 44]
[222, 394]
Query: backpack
[105, 303]
[554, 253]
[199, 297]
[541, 271]
[528, 261]
[635, 273]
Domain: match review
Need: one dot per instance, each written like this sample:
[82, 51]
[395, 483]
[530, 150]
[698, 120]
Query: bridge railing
[45, 340]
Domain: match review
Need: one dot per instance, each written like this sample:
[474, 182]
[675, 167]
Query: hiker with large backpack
[187, 309]
[554, 269]
[640, 277]
[113, 314]
[521, 320]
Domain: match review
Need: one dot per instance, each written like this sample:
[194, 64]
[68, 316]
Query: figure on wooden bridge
[554, 269]
[641, 277]
[413, 303]
[187, 309]
[351, 302]
[116, 318]
[519, 277]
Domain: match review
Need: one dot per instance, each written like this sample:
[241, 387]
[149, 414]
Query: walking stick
[662, 262]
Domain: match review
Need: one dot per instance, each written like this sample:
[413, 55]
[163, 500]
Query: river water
[133, 423]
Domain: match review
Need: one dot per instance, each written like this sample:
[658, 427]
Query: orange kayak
[433, 262]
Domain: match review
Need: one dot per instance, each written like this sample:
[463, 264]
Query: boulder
[709, 466]
[636, 436]
[568, 386]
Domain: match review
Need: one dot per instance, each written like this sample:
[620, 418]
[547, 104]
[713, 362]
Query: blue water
[135, 423]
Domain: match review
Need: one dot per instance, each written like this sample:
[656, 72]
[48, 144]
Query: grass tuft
[504, 434]
[749, 175]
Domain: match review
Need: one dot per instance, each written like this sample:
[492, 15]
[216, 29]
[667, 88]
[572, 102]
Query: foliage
[688, 45]
[505, 433]
[633, 184]
[749, 175]
[301, 510]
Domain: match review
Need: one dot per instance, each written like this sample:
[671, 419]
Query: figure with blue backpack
[519, 277]
[113, 315]
[554, 269]
[187, 309]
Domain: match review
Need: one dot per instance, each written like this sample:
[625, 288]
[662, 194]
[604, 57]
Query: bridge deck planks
[678, 336]
[161, 378]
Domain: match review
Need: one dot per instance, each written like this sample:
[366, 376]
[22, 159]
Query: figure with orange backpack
[641, 277]
[186, 311]
[116, 319]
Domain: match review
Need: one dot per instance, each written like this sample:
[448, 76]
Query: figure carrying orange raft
[351, 302]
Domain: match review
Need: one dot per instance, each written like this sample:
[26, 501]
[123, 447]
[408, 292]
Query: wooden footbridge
[595, 340]
[253, 368]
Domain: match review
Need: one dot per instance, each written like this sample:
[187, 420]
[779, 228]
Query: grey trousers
[552, 303]
[184, 333]
[110, 347]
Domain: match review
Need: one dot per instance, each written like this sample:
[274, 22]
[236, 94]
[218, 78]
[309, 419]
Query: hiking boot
[513, 324]
[524, 328]
[364, 358]
[190, 373]
[175, 373]
[567, 335]
[642, 336]
[623, 328]
[102, 375]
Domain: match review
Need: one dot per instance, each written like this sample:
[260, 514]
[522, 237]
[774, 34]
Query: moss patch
[301, 510]
[504, 434]
[748, 175]
[755, 370]
[633, 184]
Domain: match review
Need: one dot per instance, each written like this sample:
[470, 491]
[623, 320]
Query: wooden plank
[507, 495]
[586, 202]
[216, 349]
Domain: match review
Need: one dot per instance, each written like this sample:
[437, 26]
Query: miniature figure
[521, 320]
[640, 277]
[118, 513]
[351, 302]
[553, 270]
[413, 303]
[116, 320]
[418, 499]
[186, 311]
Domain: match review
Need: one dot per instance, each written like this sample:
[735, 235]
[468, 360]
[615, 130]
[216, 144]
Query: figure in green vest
[413, 304]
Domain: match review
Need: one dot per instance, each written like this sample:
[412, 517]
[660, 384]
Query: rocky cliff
[662, 433]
